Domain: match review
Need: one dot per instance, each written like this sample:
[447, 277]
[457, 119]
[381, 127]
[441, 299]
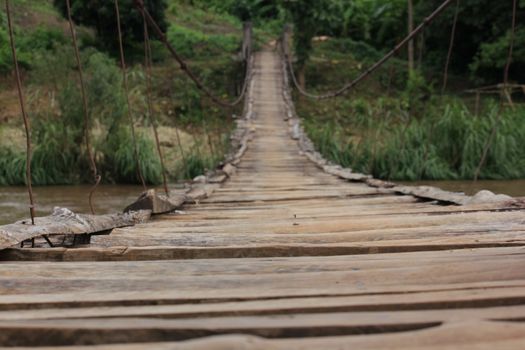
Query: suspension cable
[153, 119]
[126, 91]
[181, 150]
[450, 47]
[92, 163]
[371, 69]
[495, 127]
[24, 114]
[184, 66]
[511, 45]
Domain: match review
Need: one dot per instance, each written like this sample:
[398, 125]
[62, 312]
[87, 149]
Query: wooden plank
[113, 330]
[64, 222]
[157, 203]
[479, 335]
[438, 300]
[284, 254]
[243, 278]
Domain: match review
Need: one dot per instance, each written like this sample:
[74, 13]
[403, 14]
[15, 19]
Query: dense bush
[31, 45]
[101, 15]
[193, 43]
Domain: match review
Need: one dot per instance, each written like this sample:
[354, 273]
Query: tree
[310, 17]
[482, 35]
[100, 14]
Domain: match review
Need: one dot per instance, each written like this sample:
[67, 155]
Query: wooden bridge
[286, 254]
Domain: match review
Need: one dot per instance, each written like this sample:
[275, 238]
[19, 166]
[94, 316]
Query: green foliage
[417, 92]
[481, 37]
[376, 22]
[5, 53]
[12, 167]
[31, 45]
[104, 88]
[101, 15]
[492, 57]
[246, 10]
[198, 164]
[51, 80]
[447, 144]
[57, 157]
[193, 43]
[119, 163]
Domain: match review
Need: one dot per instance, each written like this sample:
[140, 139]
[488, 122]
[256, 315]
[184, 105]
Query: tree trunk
[411, 42]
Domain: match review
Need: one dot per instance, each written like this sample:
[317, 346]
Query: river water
[114, 198]
[514, 188]
[107, 199]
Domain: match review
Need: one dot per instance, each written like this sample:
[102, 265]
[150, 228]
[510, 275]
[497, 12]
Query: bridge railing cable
[126, 92]
[25, 117]
[92, 163]
[139, 4]
[496, 124]
[450, 47]
[287, 56]
[150, 112]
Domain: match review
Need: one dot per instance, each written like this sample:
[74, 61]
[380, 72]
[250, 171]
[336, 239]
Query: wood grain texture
[281, 250]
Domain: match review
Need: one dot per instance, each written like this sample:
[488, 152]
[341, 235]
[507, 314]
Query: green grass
[401, 129]
[209, 41]
[445, 144]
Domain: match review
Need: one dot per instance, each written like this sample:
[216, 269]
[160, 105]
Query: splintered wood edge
[65, 222]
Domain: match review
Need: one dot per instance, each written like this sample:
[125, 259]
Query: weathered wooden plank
[286, 248]
[230, 251]
[157, 203]
[479, 335]
[311, 275]
[114, 330]
[438, 300]
[384, 225]
[64, 222]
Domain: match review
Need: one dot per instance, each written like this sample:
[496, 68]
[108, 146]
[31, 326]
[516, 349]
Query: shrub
[119, 163]
[194, 43]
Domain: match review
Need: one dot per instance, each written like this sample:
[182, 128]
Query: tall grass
[119, 163]
[446, 143]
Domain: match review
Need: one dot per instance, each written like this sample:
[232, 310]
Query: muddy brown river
[114, 198]
[107, 199]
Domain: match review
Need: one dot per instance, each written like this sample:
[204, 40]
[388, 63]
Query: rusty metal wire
[24, 113]
[184, 66]
[450, 47]
[153, 120]
[495, 127]
[126, 91]
[92, 163]
[183, 156]
[370, 70]
[511, 45]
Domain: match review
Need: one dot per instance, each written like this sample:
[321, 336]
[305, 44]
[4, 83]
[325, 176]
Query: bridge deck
[282, 256]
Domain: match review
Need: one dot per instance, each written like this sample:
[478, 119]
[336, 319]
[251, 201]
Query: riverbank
[398, 126]
[210, 44]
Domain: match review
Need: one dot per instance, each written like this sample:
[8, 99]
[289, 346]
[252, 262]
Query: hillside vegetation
[209, 41]
[401, 123]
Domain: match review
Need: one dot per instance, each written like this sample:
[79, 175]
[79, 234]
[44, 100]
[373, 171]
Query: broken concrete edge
[307, 147]
[65, 222]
